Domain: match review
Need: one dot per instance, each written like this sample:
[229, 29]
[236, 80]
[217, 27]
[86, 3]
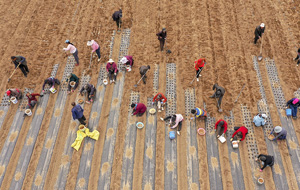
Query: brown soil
[224, 35]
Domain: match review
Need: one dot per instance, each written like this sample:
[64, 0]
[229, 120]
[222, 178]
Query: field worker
[112, 70]
[138, 109]
[259, 120]
[117, 16]
[77, 113]
[21, 61]
[219, 126]
[72, 77]
[266, 160]
[162, 36]
[32, 100]
[279, 133]
[14, 92]
[90, 91]
[143, 71]
[160, 100]
[51, 81]
[73, 50]
[293, 103]
[175, 120]
[95, 48]
[220, 91]
[127, 61]
[259, 30]
[240, 133]
[198, 112]
[199, 64]
[298, 57]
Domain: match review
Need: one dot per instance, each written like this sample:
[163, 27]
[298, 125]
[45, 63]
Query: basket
[201, 131]
[140, 125]
[271, 137]
[260, 180]
[72, 83]
[28, 112]
[80, 101]
[14, 100]
[105, 81]
[81, 127]
[152, 111]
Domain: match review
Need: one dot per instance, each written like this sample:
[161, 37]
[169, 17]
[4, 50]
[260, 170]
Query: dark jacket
[73, 78]
[143, 69]
[117, 15]
[21, 60]
[259, 31]
[268, 162]
[50, 81]
[161, 35]
[90, 90]
[77, 112]
[290, 103]
[219, 88]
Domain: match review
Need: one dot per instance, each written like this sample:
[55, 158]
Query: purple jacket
[77, 112]
[139, 108]
[129, 58]
[112, 67]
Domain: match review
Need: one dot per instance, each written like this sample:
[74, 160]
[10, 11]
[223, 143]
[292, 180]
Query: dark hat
[132, 105]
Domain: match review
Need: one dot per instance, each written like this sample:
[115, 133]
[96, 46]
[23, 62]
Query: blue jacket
[77, 112]
[258, 121]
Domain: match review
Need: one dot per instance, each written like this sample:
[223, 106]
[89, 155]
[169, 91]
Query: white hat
[264, 115]
[90, 43]
[278, 129]
[262, 25]
[110, 61]
[124, 60]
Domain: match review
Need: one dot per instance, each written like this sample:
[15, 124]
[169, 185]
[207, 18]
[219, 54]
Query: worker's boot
[197, 79]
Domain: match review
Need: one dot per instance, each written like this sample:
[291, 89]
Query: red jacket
[225, 125]
[140, 108]
[200, 63]
[162, 97]
[33, 97]
[242, 129]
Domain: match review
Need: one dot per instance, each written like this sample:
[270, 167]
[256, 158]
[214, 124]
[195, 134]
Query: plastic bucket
[72, 83]
[105, 81]
[52, 90]
[14, 100]
[235, 144]
[128, 68]
[201, 131]
[260, 180]
[81, 127]
[28, 112]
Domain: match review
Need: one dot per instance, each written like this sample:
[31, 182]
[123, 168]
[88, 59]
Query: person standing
[199, 66]
[175, 120]
[259, 30]
[112, 70]
[293, 103]
[221, 124]
[117, 16]
[73, 50]
[96, 48]
[90, 91]
[298, 57]
[138, 109]
[143, 71]
[220, 91]
[266, 160]
[21, 61]
[14, 92]
[162, 36]
[51, 81]
[279, 133]
[72, 78]
[77, 113]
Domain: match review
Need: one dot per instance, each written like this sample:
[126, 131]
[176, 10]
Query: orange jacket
[162, 97]
[199, 63]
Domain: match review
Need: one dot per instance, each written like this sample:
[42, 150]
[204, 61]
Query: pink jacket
[95, 46]
[71, 48]
[113, 65]
[179, 118]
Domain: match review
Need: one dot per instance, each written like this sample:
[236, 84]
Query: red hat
[8, 92]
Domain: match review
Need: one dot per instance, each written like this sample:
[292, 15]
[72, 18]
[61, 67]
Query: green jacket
[73, 78]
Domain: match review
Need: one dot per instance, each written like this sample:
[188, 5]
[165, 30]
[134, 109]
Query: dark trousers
[119, 22]
[297, 58]
[294, 110]
[199, 71]
[92, 95]
[76, 56]
[140, 114]
[24, 69]
[112, 76]
[31, 105]
[144, 78]
[220, 98]
[57, 81]
[69, 86]
[255, 39]
[220, 130]
[162, 43]
[82, 120]
[98, 52]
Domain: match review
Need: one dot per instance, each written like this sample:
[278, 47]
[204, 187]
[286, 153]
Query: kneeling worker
[161, 100]
[138, 109]
[221, 124]
[279, 133]
[14, 93]
[266, 160]
[51, 81]
[72, 78]
[90, 91]
[240, 133]
[32, 101]
[175, 120]
[197, 112]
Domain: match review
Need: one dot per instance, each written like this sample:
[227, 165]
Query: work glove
[131, 113]
[115, 73]
[218, 136]
[43, 91]
[162, 103]
[231, 139]
[191, 118]
[152, 103]
[90, 96]
[260, 170]
[238, 141]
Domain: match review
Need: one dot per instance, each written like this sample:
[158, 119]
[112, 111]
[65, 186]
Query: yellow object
[81, 135]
